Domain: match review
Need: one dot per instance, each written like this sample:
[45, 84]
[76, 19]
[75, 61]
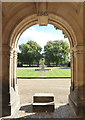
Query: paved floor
[59, 87]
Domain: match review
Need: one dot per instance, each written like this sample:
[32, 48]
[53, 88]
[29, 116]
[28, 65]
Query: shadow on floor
[63, 112]
[63, 108]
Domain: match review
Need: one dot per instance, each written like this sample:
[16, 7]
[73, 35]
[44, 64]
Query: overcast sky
[41, 35]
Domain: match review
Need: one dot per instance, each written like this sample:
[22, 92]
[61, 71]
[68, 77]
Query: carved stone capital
[79, 49]
[13, 52]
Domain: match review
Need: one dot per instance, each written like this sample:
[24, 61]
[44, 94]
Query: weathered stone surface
[68, 16]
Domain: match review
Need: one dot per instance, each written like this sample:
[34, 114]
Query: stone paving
[59, 87]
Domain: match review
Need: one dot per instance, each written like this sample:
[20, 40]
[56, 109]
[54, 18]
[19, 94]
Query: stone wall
[19, 16]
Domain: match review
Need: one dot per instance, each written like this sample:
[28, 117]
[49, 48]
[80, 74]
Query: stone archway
[43, 17]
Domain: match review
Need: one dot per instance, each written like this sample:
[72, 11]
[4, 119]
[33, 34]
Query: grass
[59, 73]
[27, 73]
[53, 73]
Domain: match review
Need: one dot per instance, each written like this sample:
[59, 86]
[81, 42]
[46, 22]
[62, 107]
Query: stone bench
[43, 102]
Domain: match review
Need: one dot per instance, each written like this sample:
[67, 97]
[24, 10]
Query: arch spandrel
[33, 19]
[71, 16]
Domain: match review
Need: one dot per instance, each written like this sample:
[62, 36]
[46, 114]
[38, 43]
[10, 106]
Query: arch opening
[32, 20]
[21, 27]
[38, 84]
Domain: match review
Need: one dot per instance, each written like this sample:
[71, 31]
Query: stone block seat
[43, 102]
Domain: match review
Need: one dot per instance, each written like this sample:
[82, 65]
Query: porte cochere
[16, 18]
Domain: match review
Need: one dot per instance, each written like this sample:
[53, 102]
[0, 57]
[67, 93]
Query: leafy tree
[56, 52]
[30, 53]
[65, 36]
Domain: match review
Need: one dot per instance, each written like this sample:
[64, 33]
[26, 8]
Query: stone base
[43, 107]
[15, 101]
[77, 109]
[6, 107]
[6, 111]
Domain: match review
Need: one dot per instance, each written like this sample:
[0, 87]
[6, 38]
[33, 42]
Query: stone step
[43, 98]
[43, 107]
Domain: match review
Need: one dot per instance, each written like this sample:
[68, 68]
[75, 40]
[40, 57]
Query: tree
[48, 54]
[65, 36]
[56, 52]
[30, 52]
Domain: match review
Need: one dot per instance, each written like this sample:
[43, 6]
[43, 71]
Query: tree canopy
[65, 36]
[30, 53]
[56, 52]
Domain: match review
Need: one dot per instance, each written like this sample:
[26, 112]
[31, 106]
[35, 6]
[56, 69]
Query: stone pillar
[72, 70]
[0, 59]
[6, 108]
[11, 68]
[80, 78]
[84, 84]
[10, 97]
[0, 81]
[73, 88]
[74, 84]
[77, 97]
[14, 97]
[15, 68]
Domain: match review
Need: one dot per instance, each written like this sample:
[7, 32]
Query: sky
[41, 35]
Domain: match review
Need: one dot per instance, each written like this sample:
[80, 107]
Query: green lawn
[53, 73]
[27, 73]
[59, 73]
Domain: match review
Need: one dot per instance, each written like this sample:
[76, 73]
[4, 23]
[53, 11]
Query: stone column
[6, 108]
[77, 97]
[15, 68]
[80, 78]
[14, 97]
[0, 59]
[84, 84]
[0, 81]
[11, 68]
[73, 88]
[72, 70]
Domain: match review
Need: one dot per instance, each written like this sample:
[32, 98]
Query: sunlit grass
[62, 72]
[55, 72]
[27, 73]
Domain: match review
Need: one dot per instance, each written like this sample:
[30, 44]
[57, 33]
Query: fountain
[42, 65]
